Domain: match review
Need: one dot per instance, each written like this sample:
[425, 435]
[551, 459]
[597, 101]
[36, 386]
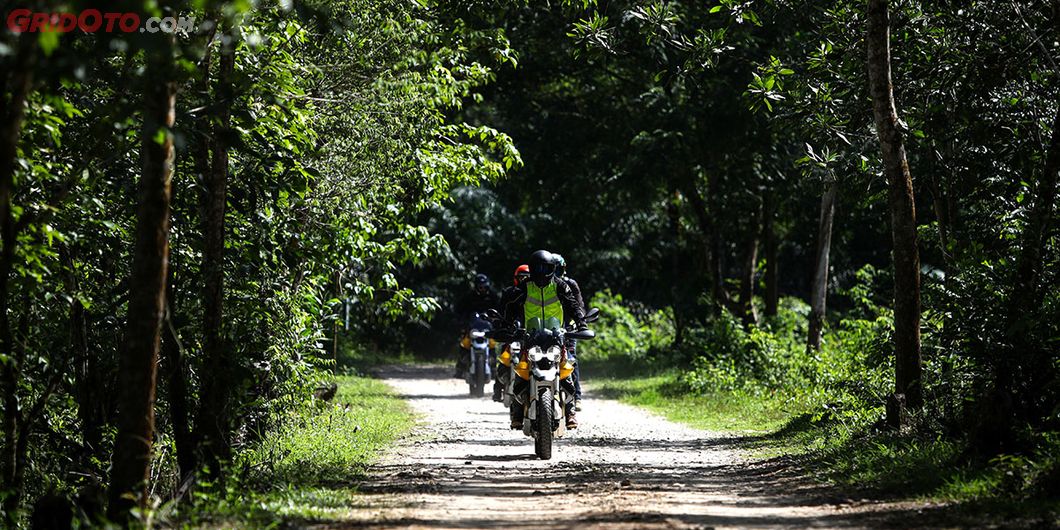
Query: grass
[854, 456]
[307, 469]
[723, 411]
[361, 358]
[637, 383]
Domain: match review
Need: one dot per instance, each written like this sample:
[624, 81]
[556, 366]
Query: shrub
[846, 380]
[627, 330]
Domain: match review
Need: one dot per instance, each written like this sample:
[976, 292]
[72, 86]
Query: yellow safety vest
[542, 304]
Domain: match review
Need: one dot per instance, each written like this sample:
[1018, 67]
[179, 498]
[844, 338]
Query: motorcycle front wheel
[543, 442]
[478, 379]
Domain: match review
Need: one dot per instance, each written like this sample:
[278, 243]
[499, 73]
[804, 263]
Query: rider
[522, 273]
[479, 300]
[543, 295]
[572, 344]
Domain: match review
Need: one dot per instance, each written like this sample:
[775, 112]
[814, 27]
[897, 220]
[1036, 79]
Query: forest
[833, 221]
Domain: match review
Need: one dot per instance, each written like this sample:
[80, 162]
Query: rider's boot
[516, 413]
[499, 382]
[572, 421]
[461, 364]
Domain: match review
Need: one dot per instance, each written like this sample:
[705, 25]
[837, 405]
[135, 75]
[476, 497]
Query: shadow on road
[772, 486]
[653, 482]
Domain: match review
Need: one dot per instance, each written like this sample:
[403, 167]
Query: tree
[903, 214]
[819, 285]
[770, 244]
[17, 84]
[213, 419]
[131, 462]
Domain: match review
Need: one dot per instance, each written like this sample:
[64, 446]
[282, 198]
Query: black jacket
[577, 291]
[475, 302]
[513, 298]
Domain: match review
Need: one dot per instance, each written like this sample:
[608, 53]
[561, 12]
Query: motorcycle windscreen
[477, 322]
[551, 323]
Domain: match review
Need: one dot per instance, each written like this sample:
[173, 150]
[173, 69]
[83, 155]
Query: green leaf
[49, 41]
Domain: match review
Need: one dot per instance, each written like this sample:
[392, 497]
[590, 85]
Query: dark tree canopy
[849, 202]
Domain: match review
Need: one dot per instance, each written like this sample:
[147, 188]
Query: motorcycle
[511, 351]
[539, 385]
[479, 347]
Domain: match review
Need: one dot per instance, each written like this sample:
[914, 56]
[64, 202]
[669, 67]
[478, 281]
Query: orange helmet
[522, 272]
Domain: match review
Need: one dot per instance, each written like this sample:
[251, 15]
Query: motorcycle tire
[543, 442]
[478, 379]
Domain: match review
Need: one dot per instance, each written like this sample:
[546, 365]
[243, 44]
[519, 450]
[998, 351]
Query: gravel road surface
[622, 468]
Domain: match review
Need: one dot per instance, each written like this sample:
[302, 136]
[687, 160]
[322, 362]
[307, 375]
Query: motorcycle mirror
[584, 334]
[493, 313]
[592, 315]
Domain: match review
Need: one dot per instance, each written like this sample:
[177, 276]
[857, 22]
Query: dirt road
[623, 468]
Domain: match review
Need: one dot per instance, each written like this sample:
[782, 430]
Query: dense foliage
[719, 165]
[328, 127]
[219, 212]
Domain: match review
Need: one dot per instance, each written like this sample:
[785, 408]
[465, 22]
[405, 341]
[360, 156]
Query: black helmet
[481, 280]
[542, 267]
[560, 263]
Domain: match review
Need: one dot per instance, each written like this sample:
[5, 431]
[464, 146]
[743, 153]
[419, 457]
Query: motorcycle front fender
[475, 353]
[545, 375]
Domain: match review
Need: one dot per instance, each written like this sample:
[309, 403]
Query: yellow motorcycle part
[566, 370]
[523, 370]
[465, 342]
[505, 358]
[493, 344]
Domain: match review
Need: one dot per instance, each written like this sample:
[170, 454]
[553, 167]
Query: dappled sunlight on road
[623, 468]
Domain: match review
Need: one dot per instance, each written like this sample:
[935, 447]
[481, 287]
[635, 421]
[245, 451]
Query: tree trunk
[819, 288]
[939, 202]
[79, 356]
[676, 269]
[747, 313]
[184, 437]
[769, 237]
[173, 364]
[213, 424]
[1023, 375]
[903, 211]
[16, 84]
[1028, 287]
[138, 362]
[713, 244]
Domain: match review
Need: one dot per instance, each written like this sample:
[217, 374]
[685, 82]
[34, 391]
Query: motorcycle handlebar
[521, 334]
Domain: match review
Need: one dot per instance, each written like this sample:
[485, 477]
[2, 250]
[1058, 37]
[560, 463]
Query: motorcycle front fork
[471, 362]
[562, 400]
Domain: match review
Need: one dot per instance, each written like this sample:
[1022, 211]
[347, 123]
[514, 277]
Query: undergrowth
[307, 469]
[823, 408]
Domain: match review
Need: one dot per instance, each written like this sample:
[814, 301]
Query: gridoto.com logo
[94, 20]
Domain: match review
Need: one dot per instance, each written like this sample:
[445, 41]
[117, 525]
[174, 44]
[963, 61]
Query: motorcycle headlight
[535, 354]
[547, 359]
[478, 334]
[553, 353]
